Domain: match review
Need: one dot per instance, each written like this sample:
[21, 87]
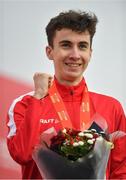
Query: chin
[73, 77]
[73, 74]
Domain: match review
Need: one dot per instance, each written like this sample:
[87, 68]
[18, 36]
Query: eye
[83, 46]
[65, 45]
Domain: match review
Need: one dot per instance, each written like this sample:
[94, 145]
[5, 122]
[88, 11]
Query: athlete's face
[71, 54]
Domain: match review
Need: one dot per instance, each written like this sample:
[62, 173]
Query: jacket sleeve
[23, 124]
[118, 154]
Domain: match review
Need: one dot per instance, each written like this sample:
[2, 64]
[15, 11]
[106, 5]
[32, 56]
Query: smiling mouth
[73, 64]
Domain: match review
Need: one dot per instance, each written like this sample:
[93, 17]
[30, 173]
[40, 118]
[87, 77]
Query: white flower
[64, 131]
[88, 135]
[75, 144]
[93, 130]
[81, 134]
[102, 132]
[81, 143]
[89, 141]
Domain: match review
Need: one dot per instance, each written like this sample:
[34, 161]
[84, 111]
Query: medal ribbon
[85, 120]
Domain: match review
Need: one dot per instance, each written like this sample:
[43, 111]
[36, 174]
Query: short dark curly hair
[78, 21]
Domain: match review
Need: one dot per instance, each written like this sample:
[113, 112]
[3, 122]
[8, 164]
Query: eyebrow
[69, 42]
[64, 41]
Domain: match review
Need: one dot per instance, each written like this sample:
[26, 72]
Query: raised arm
[23, 120]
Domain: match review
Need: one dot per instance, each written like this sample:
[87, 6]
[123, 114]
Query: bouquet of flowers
[74, 144]
[72, 154]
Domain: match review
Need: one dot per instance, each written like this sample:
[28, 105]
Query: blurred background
[22, 53]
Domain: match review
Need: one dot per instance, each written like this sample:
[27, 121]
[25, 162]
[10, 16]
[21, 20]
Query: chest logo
[49, 121]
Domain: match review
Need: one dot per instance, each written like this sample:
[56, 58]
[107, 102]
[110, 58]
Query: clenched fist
[42, 82]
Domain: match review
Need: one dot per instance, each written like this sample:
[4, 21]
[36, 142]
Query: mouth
[73, 64]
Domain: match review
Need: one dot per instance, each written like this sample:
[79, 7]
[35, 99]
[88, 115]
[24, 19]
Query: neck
[69, 82]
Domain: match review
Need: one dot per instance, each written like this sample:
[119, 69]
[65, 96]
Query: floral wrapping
[53, 164]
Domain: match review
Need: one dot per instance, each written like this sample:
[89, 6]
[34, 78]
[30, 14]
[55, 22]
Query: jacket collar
[71, 93]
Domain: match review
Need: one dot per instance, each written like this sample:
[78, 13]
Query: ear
[49, 52]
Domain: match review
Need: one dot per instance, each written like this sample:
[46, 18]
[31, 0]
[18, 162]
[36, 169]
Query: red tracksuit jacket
[28, 117]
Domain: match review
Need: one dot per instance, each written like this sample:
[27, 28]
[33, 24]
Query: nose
[75, 53]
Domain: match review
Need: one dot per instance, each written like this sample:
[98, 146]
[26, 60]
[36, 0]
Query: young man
[70, 37]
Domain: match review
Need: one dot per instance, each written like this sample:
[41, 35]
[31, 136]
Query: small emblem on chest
[47, 121]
